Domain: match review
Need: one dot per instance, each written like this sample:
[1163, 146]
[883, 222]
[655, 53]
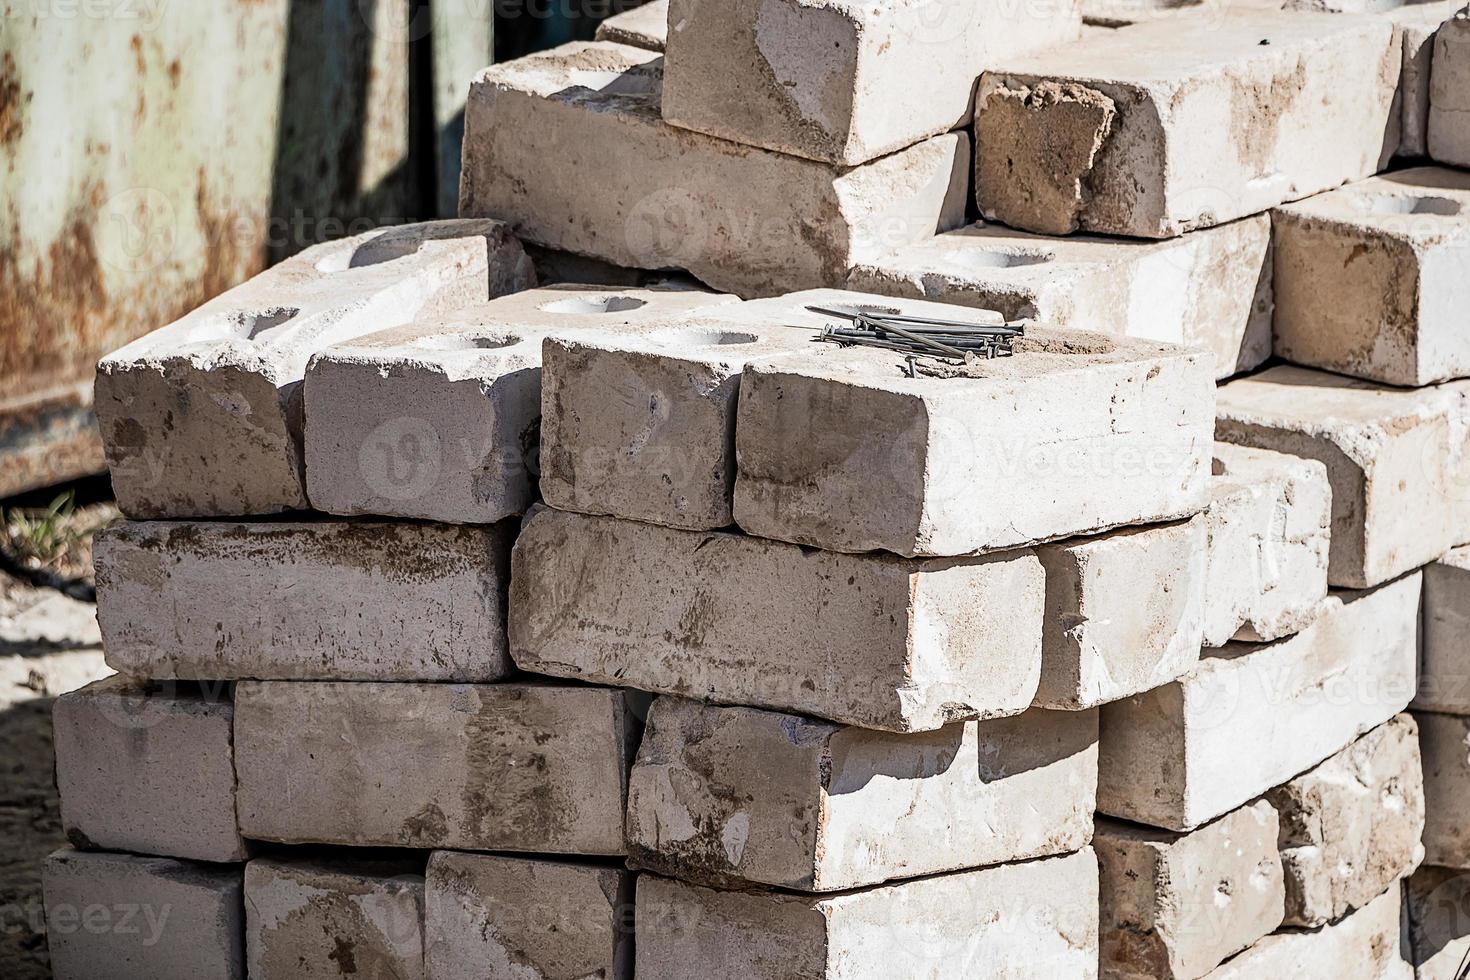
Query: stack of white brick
[1182, 130]
[1367, 284]
[763, 146]
[293, 688]
[1262, 809]
[1186, 130]
[809, 661]
[900, 609]
[1429, 212]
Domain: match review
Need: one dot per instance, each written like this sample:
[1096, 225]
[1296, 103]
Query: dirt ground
[48, 645]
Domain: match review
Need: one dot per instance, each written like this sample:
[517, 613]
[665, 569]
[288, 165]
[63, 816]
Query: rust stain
[61, 311]
[142, 65]
[40, 307]
[11, 99]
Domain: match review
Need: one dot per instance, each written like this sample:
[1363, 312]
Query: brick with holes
[203, 417]
[1210, 288]
[1074, 434]
[642, 424]
[440, 419]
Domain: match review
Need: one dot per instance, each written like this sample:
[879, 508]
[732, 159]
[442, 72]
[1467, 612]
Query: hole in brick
[385, 248]
[1408, 204]
[464, 342]
[601, 81]
[616, 79]
[704, 338]
[252, 325]
[995, 260]
[257, 325]
[592, 305]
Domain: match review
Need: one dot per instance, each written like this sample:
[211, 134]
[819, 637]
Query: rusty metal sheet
[154, 154]
[135, 154]
[48, 439]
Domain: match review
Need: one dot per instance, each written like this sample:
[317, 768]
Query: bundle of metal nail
[950, 340]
